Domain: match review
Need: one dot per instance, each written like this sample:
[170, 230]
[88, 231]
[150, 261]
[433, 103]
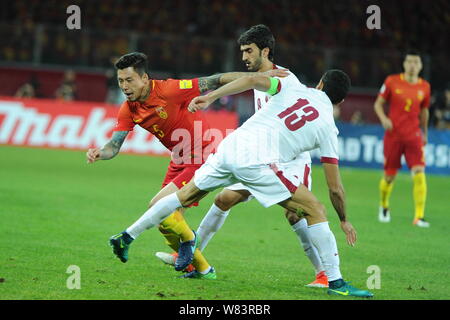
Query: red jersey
[165, 115]
[406, 100]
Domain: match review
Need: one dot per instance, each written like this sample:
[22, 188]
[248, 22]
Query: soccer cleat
[186, 253]
[320, 282]
[421, 223]
[384, 215]
[169, 258]
[120, 244]
[347, 290]
[211, 275]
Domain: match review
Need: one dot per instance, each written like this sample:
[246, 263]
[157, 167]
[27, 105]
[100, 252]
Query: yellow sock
[419, 194]
[385, 192]
[175, 223]
[170, 228]
[172, 239]
[200, 262]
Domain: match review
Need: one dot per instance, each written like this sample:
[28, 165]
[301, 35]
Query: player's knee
[389, 175]
[162, 229]
[319, 210]
[226, 200]
[150, 204]
[292, 217]
[417, 169]
[389, 179]
[190, 194]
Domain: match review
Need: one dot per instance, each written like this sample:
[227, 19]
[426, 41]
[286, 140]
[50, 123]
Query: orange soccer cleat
[320, 282]
[169, 258]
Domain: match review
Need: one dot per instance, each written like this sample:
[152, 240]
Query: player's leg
[216, 215]
[415, 159]
[393, 150]
[158, 212]
[207, 178]
[419, 196]
[121, 241]
[323, 239]
[269, 187]
[175, 228]
[214, 218]
[386, 185]
[299, 172]
[300, 227]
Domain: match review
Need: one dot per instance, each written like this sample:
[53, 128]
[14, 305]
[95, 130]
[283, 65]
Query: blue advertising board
[362, 146]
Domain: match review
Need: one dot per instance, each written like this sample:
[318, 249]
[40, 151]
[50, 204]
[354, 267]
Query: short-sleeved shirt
[297, 119]
[261, 99]
[406, 100]
[165, 115]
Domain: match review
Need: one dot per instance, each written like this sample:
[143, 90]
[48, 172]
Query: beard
[255, 66]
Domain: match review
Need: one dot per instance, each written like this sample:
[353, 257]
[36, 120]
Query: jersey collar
[402, 77]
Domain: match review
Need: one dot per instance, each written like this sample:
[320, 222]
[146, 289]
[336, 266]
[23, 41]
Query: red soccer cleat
[169, 258]
[320, 282]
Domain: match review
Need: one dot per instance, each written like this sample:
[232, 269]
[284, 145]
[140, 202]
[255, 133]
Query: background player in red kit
[160, 107]
[406, 128]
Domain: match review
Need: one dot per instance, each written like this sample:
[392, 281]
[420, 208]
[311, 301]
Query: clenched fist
[93, 155]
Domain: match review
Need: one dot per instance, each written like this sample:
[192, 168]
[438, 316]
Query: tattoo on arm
[112, 148]
[209, 83]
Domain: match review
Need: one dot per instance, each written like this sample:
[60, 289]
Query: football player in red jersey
[160, 107]
[406, 128]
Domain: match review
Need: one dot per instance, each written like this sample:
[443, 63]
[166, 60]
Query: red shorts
[180, 175]
[413, 149]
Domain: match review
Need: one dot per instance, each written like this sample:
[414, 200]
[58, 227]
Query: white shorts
[266, 183]
[297, 171]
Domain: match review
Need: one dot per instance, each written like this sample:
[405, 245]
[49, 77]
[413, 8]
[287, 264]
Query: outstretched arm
[217, 80]
[258, 82]
[109, 150]
[337, 197]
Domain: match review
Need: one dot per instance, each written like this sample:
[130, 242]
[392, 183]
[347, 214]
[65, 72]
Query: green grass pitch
[57, 211]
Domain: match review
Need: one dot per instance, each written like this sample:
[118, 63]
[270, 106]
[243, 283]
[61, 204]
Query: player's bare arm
[215, 81]
[258, 82]
[379, 110]
[423, 118]
[337, 197]
[109, 150]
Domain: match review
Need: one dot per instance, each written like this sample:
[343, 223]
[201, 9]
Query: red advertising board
[81, 125]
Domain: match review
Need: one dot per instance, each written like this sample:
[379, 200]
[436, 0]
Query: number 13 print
[292, 121]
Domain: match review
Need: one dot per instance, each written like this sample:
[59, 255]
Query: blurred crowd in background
[198, 37]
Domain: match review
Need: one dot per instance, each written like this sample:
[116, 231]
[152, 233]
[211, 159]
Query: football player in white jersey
[257, 47]
[302, 120]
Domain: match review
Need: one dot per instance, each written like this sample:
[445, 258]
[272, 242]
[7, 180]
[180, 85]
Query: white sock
[301, 229]
[206, 271]
[210, 224]
[153, 216]
[325, 242]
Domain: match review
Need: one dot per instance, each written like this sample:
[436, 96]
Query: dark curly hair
[261, 36]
